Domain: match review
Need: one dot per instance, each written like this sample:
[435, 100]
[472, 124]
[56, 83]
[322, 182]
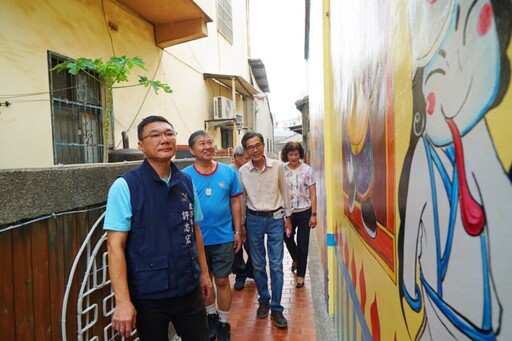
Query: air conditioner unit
[222, 108]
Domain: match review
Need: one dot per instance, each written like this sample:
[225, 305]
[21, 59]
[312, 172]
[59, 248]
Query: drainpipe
[233, 97]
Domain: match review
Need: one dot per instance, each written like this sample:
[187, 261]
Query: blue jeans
[257, 227]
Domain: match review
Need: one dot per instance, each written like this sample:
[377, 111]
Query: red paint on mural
[374, 313]
[345, 254]
[353, 270]
[485, 19]
[362, 287]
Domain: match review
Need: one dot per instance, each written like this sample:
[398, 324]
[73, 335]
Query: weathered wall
[411, 137]
[31, 193]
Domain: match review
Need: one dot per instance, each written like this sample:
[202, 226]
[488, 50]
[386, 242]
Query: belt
[263, 213]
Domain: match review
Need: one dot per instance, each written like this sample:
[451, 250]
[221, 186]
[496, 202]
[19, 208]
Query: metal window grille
[225, 19]
[226, 138]
[77, 112]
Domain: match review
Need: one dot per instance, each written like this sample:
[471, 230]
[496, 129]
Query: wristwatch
[313, 214]
[237, 233]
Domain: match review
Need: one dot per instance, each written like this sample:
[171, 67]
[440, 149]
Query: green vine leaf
[115, 70]
[156, 84]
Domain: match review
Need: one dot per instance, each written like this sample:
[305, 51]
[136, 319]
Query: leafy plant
[114, 71]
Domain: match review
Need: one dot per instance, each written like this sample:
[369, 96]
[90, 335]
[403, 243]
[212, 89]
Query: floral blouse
[299, 180]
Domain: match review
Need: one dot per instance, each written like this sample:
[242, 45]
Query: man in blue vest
[157, 264]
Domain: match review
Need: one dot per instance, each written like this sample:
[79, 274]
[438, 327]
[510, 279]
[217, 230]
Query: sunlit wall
[101, 29]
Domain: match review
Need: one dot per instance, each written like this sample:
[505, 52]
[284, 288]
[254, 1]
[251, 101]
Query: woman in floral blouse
[302, 189]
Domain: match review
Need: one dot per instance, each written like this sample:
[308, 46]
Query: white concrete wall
[264, 124]
[193, 97]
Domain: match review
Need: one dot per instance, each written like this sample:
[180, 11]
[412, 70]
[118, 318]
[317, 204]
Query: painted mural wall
[415, 151]
[316, 107]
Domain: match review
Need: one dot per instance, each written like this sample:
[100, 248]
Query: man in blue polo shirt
[218, 189]
[157, 264]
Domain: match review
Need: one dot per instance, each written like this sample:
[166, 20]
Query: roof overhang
[260, 74]
[297, 129]
[222, 123]
[174, 21]
[242, 86]
[299, 104]
[230, 123]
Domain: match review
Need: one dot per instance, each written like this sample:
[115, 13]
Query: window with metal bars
[225, 19]
[226, 138]
[77, 111]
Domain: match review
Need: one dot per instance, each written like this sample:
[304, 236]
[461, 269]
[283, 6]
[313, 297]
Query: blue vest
[161, 251]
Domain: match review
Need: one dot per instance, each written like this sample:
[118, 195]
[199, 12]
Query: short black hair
[193, 137]
[291, 147]
[148, 120]
[250, 135]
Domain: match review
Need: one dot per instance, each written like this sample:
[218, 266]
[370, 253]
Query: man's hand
[124, 318]
[288, 224]
[243, 234]
[238, 242]
[206, 285]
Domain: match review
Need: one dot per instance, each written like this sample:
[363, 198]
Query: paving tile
[298, 304]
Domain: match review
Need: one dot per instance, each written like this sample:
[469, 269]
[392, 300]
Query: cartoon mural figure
[454, 194]
[358, 152]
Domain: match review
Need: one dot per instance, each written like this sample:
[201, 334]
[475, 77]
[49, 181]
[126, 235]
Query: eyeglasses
[254, 146]
[157, 137]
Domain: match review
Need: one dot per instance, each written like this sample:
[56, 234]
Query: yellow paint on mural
[498, 120]
[402, 84]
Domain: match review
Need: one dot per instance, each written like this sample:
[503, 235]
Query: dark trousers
[187, 313]
[299, 251]
[241, 268]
